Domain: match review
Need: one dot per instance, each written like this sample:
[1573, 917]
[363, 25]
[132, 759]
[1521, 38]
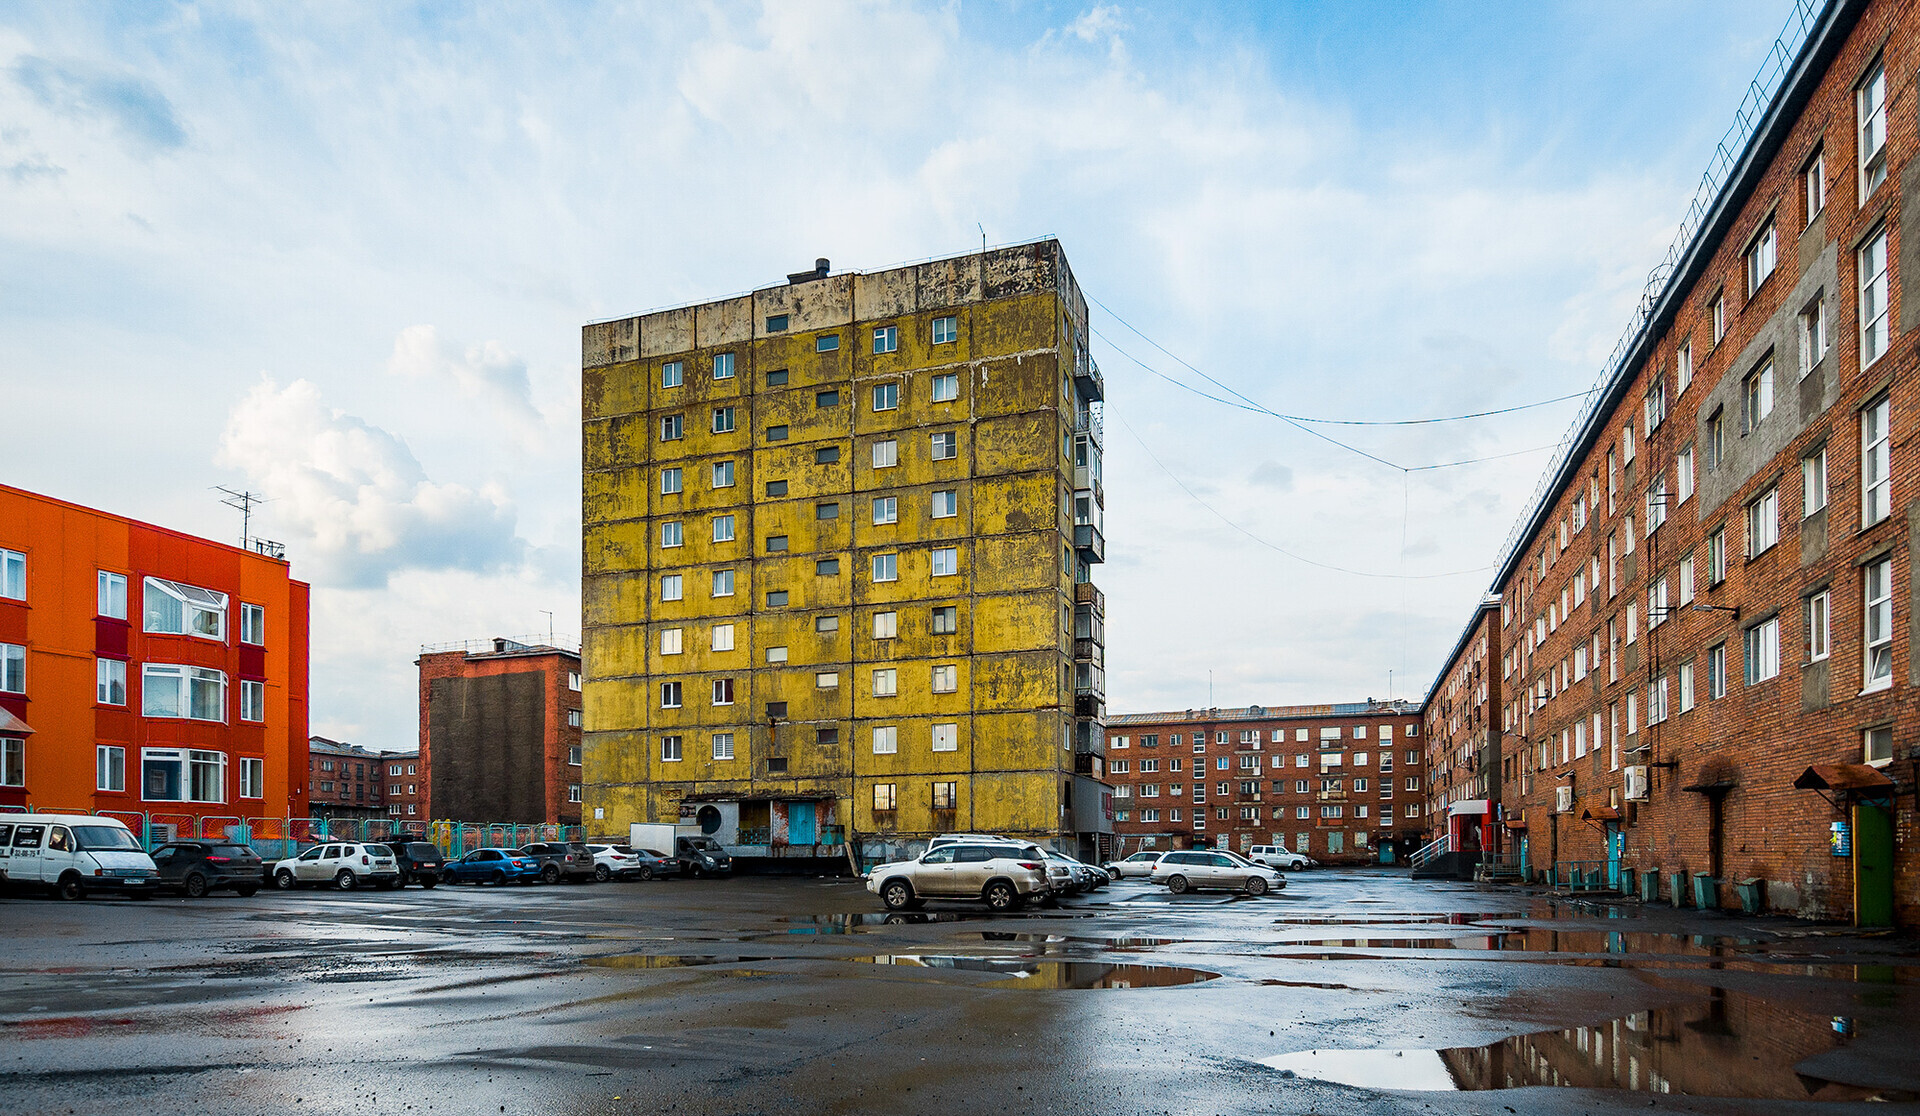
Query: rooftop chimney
[821, 267]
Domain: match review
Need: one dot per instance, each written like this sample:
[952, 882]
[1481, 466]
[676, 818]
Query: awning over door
[1470, 806]
[1844, 778]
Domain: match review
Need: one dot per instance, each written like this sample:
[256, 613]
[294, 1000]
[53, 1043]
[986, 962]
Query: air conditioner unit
[1562, 799]
[1637, 783]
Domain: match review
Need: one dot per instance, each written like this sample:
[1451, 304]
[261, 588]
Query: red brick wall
[559, 736]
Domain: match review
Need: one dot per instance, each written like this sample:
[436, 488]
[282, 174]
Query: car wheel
[499, 878]
[646, 871]
[550, 874]
[195, 885]
[897, 895]
[246, 891]
[1178, 885]
[602, 873]
[69, 888]
[283, 879]
[346, 880]
[1113, 874]
[1256, 885]
[1002, 897]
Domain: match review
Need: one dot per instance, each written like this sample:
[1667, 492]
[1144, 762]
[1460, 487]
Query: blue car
[494, 866]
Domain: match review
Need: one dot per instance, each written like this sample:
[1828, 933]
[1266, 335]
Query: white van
[72, 854]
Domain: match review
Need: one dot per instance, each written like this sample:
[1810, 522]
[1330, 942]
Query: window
[1686, 686]
[946, 561]
[1876, 461]
[776, 488]
[111, 590]
[1716, 438]
[1763, 522]
[670, 588]
[1762, 651]
[670, 695]
[573, 795]
[826, 680]
[1682, 368]
[885, 625]
[670, 749]
[946, 330]
[886, 454]
[777, 377]
[946, 679]
[886, 567]
[886, 740]
[1871, 103]
[1878, 583]
[673, 427]
[1813, 481]
[1813, 180]
[1813, 334]
[776, 323]
[253, 700]
[722, 583]
[883, 798]
[723, 474]
[670, 374]
[1717, 556]
[1654, 405]
[1819, 620]
[776, 544]
[178, 609]
[1756, 398]
[776, 654]
[826, 567]
[723, 691]
[886, 397]
[110, 769]
[1656, 702]
[827, 343]
[670, 641]
[945, 446]
[722, 637]
[1718, 312]
[886, 509]
[1626, 443]
[722, 747]
[110, 682]
[1873, 299]
[723, 420]
[1683, 476]
[826, 623]
[946, 503]
[670, 480]
[253, 778]
[946, 620]
[946, 387]
[1761, 256]
[194, 693]
[723, 528]
[886, 339]
[573, 721]
[723, 366]
[886, 682]
[1717, 671]
[1686, 579]
[1656, 504]
[826, 511]
[207, 776]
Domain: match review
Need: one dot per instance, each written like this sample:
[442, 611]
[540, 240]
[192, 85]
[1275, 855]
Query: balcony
[1087, 650]
[1089, 542]
[1090, 705]
[1089, 422]
[1086, 377]
[1331, 796]
[1086, 593]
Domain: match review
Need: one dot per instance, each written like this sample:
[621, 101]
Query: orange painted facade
[212, 758]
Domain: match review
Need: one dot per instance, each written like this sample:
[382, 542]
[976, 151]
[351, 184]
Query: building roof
[501, 647]
[341, 748]
[1397, 707]
[261, 554]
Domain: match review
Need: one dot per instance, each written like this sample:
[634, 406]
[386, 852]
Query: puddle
[1731, 1045]
[1119, 944]
[660, 961]
[1463, 940]
[1032, 973]
[1400, 919]
[863, 921]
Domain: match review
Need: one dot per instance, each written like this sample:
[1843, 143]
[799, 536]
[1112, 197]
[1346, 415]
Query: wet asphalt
[1352, 991]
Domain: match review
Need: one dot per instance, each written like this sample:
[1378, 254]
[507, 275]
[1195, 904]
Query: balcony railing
[1090, 542]
[1087, 593]
[1088, 650]
[1089, 422]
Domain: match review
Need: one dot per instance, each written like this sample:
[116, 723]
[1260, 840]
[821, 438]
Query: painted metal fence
[274, 838]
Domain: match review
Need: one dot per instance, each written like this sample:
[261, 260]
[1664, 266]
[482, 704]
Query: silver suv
[1001, 875]
[1217, 868]
[1278, 856]
[343, 865]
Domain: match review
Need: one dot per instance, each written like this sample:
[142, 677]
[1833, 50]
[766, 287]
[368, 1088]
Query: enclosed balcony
[1086, 378]
[1087, 594]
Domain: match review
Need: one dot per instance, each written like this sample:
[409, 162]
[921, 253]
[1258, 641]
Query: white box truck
[699, 855]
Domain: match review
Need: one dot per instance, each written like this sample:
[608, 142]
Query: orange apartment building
[144, 671]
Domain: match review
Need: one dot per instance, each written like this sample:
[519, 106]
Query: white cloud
[487, 371]
[357, 504]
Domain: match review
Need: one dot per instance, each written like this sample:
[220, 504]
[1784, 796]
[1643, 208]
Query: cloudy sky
[340, 254]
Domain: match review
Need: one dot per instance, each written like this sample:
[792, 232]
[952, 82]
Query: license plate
[130, 873]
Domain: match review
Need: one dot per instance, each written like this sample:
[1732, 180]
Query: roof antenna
[983, 237]
[244, 502]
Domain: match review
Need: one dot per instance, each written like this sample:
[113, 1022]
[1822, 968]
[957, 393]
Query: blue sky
[340, 254]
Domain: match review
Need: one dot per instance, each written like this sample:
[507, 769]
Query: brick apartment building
[405, 787]
[1463, 738]
[500, 728]
[344, 780]
[198, 652]
[1706, 619]
[1341, 783]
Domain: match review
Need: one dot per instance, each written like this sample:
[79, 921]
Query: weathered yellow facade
[830, 558]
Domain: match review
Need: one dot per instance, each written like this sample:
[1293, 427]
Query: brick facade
[500, 732]
[1463, 718]
[344, 780]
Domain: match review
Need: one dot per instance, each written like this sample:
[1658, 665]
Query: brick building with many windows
[344, 780]
[1706, 617]
[1463, 742]
[405, 789]
[1341, 783]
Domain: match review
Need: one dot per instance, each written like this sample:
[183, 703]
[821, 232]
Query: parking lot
[1349, 991]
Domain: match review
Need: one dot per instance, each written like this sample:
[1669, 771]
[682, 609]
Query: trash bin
[1750, 894]
[1706, 891]
[1677, 888]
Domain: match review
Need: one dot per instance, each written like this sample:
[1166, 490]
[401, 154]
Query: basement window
[776, 323]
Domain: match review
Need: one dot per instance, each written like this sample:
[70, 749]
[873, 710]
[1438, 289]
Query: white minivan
[72, 854]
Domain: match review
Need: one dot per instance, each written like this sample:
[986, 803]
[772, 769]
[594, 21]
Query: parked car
[702, 856]
[561, 859]
[656, 864]
[420, 862]
[72, 854]
[1278, 856]
[1139, 864]
[1091, 878]
[1003, 876]
[612, 862]
[494, 866]
[197, 868]
[344, 865]
[960, 838]
[1079, 877]
[1214, 868]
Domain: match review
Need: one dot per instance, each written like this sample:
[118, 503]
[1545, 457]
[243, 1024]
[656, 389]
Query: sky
[339, 255]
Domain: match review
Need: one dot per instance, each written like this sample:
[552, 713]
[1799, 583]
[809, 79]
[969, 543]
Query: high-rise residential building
[196, 707]
[499, 733]
[839, 537]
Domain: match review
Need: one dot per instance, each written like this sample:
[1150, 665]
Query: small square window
[946, 678]
[723, 528]
[670, 374]
[777, 378]
[886, 397]
[886, 682]
[826, 623]
[670, 641]
[723, 691]
[826, 343]
[886, 454]
[776, 323]
[723, 637]
[776, 598]
[776, 488]
[670, 481]
[886, 625]
[824, 399]
[886, 339]
[827, 567]
[945, 446]
[886, 567]
[946, 561]
[946, 504]
[723, 420]
[826, 455]
[672, 534]
[826, 511]
[723, 474]
[886, 509]
[723, 366]
[946, 387]
[946, 620]
[776, 433]
[776, 543]
[670, 749]
[946, 330]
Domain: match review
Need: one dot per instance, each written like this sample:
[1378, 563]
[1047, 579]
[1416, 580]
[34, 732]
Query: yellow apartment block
[837, 543]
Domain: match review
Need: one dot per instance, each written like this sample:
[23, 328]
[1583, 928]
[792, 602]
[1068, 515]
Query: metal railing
[286, 836]
[1431, 851]
[1580, 875]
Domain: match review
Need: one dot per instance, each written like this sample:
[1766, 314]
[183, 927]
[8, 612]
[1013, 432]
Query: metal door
[1615, 841]
[1873, 863]
[800, 829]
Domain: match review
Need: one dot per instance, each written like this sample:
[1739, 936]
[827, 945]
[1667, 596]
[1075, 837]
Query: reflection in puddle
[1732, 1045]
[862, 921]
[1033, 973]
[659, 961]
[1455, 941]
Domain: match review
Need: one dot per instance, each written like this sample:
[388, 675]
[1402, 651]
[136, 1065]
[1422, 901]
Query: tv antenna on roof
[244, 502]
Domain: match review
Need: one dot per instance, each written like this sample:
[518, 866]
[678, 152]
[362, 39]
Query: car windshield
[706, 843]
[103, 837]
[1233, 856]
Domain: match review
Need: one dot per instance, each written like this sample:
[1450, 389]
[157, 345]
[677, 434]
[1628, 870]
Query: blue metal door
[1615, 840]
[800, 823]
